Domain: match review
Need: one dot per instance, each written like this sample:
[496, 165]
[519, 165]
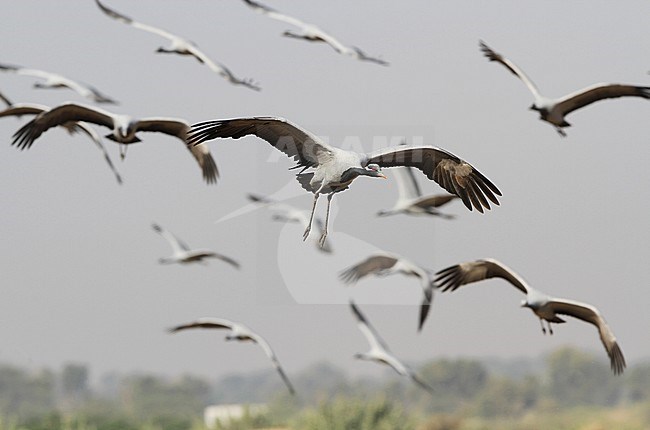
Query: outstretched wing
[305, 148]
[126, 20]
[371, 265]
[597, 92]
[68, 112]
[174, 127]
[493, 56]
[222, 70]
[223, 258]
[373, 338]
[55, 80]
[176, 244]
[262, 200]
[449, 171]
[457, 275]
[591, 315]
[179, 128]
[208, 322]
[19, 109]
[274, 14]
[434, 201]
[207, 164]
[274, 359]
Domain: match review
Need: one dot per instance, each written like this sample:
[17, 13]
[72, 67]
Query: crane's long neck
[353, 172]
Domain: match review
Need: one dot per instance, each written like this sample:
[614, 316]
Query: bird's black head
[374, 170]
[123, 138]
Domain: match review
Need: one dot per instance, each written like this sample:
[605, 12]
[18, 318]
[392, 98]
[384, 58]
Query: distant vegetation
[565, 389]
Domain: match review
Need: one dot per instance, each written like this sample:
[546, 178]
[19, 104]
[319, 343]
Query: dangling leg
[311, 218]
[321, 242]
[541, 321]
[550, 329]
[560, 131]
[122, 151]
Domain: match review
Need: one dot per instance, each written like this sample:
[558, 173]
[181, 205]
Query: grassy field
[356, 415]
[635, 417]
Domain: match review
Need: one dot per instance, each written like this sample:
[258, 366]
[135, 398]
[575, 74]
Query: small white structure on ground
[226, 413]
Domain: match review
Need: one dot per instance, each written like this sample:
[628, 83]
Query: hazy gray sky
[81, 281]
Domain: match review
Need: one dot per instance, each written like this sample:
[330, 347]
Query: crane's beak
[381, 175]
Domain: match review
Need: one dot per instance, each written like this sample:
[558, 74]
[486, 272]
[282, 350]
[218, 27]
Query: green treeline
[487, 390]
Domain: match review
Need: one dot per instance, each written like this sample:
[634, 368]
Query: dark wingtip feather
[425, 307]
[487, 51]
[210, 170]
[357, 313]
[348, 276]
[446, 270]
[617, 360]
[257, 198]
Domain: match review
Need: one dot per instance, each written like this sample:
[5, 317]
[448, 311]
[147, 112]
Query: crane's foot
[321, 241]
[305, 235]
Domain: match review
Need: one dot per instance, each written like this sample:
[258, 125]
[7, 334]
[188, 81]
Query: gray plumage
[410, 200]
[181, 252]
[123, 128]
[20, 109]
[385, 264]
[180, 46]
[379, 351]
[554, 110]
[53, 80]
[311, 33]
[241, 333]
[334, 169]
[546, 308]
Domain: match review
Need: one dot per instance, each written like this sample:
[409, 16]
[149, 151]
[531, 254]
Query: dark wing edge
[420, 383]
[453, 277]
[448, 170]
[597, 92]
[370, 265]
[425, 306]
[114, 14]
[301, 145]
[209, 169]
[228, 260]
[450, 278]
[285, 378]
[591, 315]
[197, 325]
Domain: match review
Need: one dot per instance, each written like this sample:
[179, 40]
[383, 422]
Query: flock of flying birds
[327, 170]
